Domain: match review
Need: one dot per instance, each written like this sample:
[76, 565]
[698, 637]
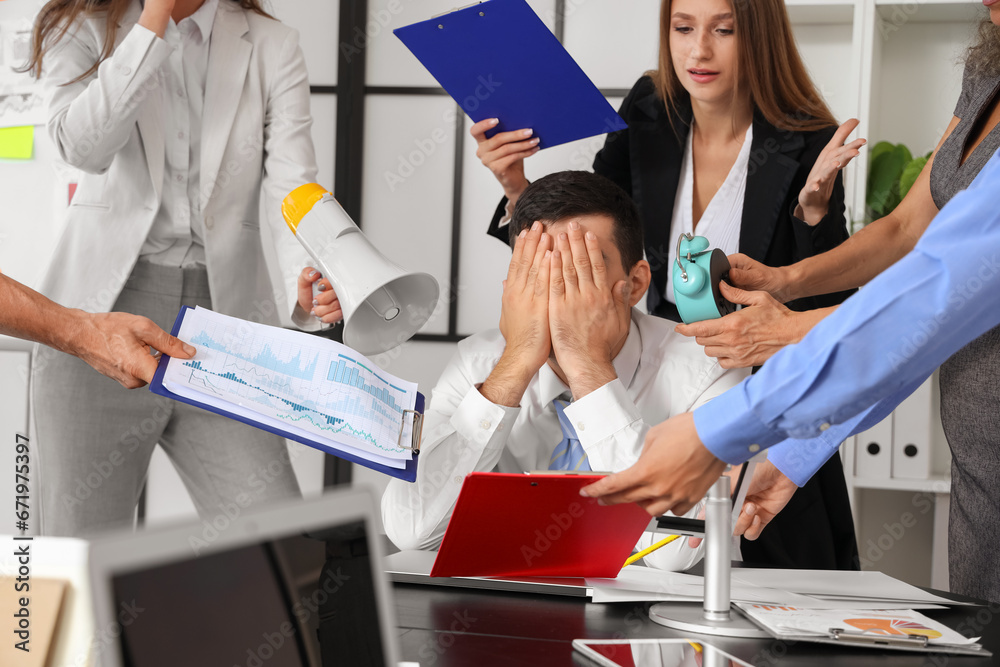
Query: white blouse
[723, 217]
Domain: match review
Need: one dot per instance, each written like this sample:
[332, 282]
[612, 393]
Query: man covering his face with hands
[573, 376]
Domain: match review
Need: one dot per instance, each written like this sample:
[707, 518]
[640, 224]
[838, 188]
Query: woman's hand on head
[504, 154]
[814, 199]
[156, 16]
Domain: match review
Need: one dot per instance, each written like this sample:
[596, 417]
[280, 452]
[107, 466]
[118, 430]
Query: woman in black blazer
[793, 174]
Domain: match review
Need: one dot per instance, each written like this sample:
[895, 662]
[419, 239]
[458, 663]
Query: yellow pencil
[648, 550]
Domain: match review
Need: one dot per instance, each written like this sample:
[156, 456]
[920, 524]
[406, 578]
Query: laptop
[298, 584]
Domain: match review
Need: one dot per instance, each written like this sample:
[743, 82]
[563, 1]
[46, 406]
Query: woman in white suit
[180, 113]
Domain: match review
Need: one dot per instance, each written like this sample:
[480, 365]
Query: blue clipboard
[497, 59]
[408, 474]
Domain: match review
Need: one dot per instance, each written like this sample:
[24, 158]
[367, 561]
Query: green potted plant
[892, 171]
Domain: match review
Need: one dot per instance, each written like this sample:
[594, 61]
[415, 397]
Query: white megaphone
[383, 304]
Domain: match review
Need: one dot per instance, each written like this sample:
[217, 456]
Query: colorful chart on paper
[297, 381]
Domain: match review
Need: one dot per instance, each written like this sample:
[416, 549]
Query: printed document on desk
[637, 583]
[900, 629]
[302, 387]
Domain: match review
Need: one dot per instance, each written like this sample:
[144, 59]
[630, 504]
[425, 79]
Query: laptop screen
[288, 600]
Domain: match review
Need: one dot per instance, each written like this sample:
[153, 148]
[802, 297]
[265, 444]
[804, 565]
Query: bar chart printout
[313, 387]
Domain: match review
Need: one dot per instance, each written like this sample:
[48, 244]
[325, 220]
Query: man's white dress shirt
[660, 374]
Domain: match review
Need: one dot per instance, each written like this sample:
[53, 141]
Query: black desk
[460, 627]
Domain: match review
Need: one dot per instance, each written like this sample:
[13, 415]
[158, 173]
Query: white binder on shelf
[873, 451]
[912, 434]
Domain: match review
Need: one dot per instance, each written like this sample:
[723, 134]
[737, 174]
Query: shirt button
[126, 70]
[209, 222]
[180, 135]
[180, 179]
[500, 426]
[180, 93]
[581, 427]
[824, 426]
[754, 448]
[458, 479]
[485, 423]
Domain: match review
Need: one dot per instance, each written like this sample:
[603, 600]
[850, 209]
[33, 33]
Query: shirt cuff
[478, 420]
[602, 413]
[143, 46]
[730, 430]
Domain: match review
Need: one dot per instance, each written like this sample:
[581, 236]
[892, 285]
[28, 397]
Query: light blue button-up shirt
[859, 363]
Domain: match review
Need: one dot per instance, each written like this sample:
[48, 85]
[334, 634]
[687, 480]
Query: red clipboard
[510, 525]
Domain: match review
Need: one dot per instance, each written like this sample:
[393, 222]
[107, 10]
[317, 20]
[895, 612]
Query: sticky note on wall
[17, 143]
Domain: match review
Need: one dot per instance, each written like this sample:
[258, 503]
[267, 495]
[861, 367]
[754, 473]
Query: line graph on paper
[297, 381]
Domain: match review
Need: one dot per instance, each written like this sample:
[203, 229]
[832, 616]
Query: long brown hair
[58, 16]
[777, 82]
[983, 58]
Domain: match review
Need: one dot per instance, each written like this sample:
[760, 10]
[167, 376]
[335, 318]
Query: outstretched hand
[767, 495]
[673, 473]
[750, 336]
[749, 274]
[118, 345]
[814, 199]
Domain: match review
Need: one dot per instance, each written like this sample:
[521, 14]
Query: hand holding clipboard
[497, 59]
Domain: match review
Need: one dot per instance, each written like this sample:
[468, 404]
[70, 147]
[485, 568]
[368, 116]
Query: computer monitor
[298, 584]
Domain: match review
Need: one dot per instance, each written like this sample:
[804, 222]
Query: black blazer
[645, 160]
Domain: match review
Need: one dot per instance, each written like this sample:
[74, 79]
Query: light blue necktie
[569, 454]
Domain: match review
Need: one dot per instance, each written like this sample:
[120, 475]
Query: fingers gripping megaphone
[383, 304]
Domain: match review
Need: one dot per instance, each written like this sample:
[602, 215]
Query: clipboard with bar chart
[302, 387]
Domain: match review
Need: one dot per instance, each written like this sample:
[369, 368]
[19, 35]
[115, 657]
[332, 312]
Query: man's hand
[768, 494]
[588, 318]
[673, 473]
[325, 306]
[750, 336]
[524, 319]
[749, 274]
[117, 345]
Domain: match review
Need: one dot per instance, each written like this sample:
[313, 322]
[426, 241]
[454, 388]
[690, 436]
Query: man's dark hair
[572, 194]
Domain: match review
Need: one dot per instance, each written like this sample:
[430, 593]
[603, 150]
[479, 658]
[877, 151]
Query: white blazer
[255, 134]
